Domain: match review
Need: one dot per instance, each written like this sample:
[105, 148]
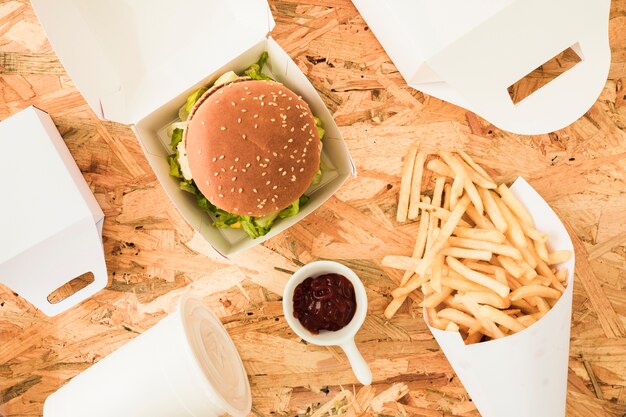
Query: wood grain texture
[153, 255]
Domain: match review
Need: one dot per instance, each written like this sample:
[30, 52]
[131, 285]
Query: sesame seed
[243, 170]
[273, 153]
[219, 187]
[274, 187]
[222, 157]
[216, 174]
[249, 212]
[268, 183]
[207, 182]
[236, 209]
[214, 159]
[239, 120]
[237, 159]
[222, 128]
[243, 110]
[262, 103]
[221, 195]
[280, 169]
[263, 174]
[285, 147]
[248, 165]
[233, 103]
[254, 190]
[284, 173]
[240, 190]
[301, 169]
[273, 200]
[290, 140]
[245, 88]
[222, 169]
[292, 129]
[256, 125]
[233, 179]
[232, 190]
[256, 116]
[231, 167]
[272, 120]
[243, 98]
[267, 160]
[258, 158]
[243, 136]
[217, 101]
[202, 123]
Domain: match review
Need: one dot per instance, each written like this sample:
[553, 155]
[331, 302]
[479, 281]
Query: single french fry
[436, 321]
[427, 289]
[561, 275]
[511, 266]
[558, 257]
[405, 184]
[496, 248]
[477, 178]
[484, 297]
[393, 307]
[473, 338]
[416, 185]
[447, 189]
[528, 291]
[435, 279]
[444, 234]
[438, 191]
[479, 278]
[435, 298]
[524, 306]
[460, 283]
[414, 283]
[480, 255]
[533, 233]
[484, 325]
[526, 320]
[457, 166]
[542, 305]
[420, 243]
[497, 271]
[456, 191]
[486, 235]
[469, 161]
[514, 232]
[440, 168]
[457, 316]
[450, 302]
[515, 205]
[493, 211]
[452, 327]
[541, 249]
[401, 262]
[501, 318]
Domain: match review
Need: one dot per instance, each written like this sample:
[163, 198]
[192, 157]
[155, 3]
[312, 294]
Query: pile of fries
[483, 268]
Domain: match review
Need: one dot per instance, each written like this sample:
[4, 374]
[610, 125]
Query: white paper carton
[524, 374]
[51, 224]
[136, 63]
[184, 366]
[470, 52]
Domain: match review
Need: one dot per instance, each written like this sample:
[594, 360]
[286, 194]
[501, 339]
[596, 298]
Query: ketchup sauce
[326, 302]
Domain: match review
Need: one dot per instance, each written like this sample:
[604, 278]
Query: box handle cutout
[70, 288]
[545, 73]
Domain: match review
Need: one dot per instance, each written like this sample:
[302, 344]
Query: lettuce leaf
[184, 111]
[320, 130]
[255, 71]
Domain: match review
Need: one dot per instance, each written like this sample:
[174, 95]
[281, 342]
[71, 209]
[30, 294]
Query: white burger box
[470, 52]
[135, 62]
[524, 374]
[50, 222]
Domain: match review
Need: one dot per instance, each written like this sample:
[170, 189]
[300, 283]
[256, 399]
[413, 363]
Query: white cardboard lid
[43, 189]
[129, 57]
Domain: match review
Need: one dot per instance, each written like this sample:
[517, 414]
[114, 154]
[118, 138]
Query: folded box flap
[129, 57]
[45, 191]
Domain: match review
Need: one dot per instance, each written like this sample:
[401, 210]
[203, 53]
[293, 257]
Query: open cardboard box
[470, 52]
[136, 63]
[51, 224]
[524, 374]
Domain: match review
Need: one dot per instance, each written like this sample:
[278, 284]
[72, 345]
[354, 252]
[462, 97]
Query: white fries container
[468, 52]
[524, 374]
[136, 63]
[51, 224]
[184, 366]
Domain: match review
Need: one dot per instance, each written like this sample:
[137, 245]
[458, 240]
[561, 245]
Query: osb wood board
[153, 255]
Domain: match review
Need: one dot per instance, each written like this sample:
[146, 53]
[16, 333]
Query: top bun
[252, 146]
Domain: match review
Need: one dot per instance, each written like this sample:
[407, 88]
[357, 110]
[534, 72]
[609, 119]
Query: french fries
[482, 267]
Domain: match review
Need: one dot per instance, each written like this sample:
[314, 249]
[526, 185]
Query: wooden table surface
[153, 255]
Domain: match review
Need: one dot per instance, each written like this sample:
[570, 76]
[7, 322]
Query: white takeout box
[51, 224]
[524, 374]
[136, 62]
[185, 366]
[468, 52]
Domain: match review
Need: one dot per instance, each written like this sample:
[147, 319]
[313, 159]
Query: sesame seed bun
[252, 146]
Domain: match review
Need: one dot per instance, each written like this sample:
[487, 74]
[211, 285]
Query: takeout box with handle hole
[470, 52]
[524, 374]
[51, 224]
[137, 64]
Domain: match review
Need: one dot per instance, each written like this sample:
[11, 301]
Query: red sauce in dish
[326, 302]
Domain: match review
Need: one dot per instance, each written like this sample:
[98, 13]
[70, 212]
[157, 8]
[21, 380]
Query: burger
[248, 148]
